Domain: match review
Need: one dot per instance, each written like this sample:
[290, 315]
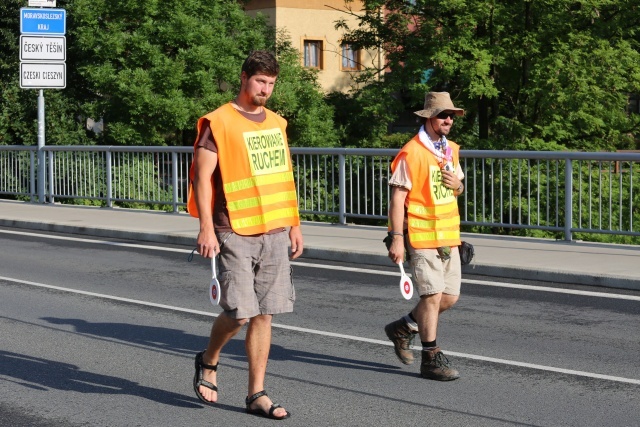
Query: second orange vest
[432, 209]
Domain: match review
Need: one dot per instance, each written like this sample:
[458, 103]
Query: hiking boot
[402, 338]
[435, 366]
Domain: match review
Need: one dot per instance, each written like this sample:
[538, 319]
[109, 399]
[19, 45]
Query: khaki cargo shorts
[432, 275]
[255, 275]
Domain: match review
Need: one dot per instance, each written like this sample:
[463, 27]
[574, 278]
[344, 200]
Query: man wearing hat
[423, 215]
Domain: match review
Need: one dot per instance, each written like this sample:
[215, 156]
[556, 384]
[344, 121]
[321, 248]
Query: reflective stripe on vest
[431, 211]
[253, 202]
[441, 236]
[258, 220]
[255, 181]
[431, 224]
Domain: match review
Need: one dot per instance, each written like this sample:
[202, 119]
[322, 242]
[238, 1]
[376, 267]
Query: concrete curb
[102, 232]
[342, 255]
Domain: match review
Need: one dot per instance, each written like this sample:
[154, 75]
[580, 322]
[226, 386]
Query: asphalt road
[99, 333]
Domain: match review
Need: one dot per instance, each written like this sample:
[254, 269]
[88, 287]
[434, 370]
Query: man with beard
[423, 216]
[244, 194]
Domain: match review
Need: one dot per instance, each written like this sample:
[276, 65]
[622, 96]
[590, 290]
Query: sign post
[43, 52]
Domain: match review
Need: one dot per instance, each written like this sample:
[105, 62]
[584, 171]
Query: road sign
[35, 48]
[43, 3]
[43, 75]
[52, 22]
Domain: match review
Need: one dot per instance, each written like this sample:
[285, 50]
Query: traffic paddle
[214, 286]
[406, 285]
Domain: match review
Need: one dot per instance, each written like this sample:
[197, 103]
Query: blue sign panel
[51, 22]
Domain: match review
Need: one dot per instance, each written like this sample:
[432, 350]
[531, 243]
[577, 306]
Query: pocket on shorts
[292, 295]
[223, 238]
[427, 275]
[228, 294]
[420, 268]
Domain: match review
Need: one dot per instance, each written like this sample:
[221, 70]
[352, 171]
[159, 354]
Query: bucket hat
[437, 102]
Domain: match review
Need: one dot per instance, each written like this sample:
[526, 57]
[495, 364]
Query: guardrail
[564, 192]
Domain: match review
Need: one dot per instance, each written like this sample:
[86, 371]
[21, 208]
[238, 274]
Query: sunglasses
[444, 115]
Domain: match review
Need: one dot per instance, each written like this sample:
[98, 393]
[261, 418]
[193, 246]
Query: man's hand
[295, 235]
[207, 243]
[450, 180]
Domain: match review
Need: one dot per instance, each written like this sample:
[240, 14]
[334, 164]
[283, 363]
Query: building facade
[310, 24]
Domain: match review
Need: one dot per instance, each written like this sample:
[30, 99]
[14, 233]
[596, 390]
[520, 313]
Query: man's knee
[261, 319]
[232, 321]
[447, 301]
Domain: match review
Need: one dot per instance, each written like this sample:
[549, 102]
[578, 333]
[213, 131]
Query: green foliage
[532, 75]
[363, 116]
[151, 68]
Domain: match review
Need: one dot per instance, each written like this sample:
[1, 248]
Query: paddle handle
[213, 268]
[401, 268]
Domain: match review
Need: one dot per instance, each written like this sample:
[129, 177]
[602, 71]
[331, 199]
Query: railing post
[568, 199]
[50, 169]
[109, 188]
[174, 180]
[342, 196]
[32, 175]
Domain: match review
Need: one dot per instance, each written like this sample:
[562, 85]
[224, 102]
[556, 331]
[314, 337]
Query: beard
[259, 100]
[442, 132]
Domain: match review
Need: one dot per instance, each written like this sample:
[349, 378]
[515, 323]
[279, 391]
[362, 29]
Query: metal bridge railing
[565, 192]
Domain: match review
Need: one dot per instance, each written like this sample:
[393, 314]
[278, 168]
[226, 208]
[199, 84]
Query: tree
[152, 68]
[149, 69]
[555, 74]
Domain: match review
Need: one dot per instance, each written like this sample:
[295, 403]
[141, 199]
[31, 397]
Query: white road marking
[340, 268]
[330, 334]
[480, 282]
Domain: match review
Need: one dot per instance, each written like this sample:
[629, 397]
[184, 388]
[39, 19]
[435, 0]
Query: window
[350, 58]
[313, 53]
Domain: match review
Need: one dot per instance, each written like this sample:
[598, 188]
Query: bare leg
[223, 329]
[258, 344]
[427, 312]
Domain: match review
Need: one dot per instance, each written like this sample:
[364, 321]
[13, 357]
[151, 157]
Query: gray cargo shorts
[255, 275]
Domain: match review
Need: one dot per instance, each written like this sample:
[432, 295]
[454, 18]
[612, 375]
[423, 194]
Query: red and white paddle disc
[406, 285]
[214, 286]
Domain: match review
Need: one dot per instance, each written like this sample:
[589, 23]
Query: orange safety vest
[257, 174]
[432, 210]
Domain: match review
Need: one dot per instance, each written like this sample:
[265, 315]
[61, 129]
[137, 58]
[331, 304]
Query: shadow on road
[43, 374]
[178, 341]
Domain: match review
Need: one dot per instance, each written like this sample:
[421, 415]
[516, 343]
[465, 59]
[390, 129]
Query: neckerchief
[440, 148]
